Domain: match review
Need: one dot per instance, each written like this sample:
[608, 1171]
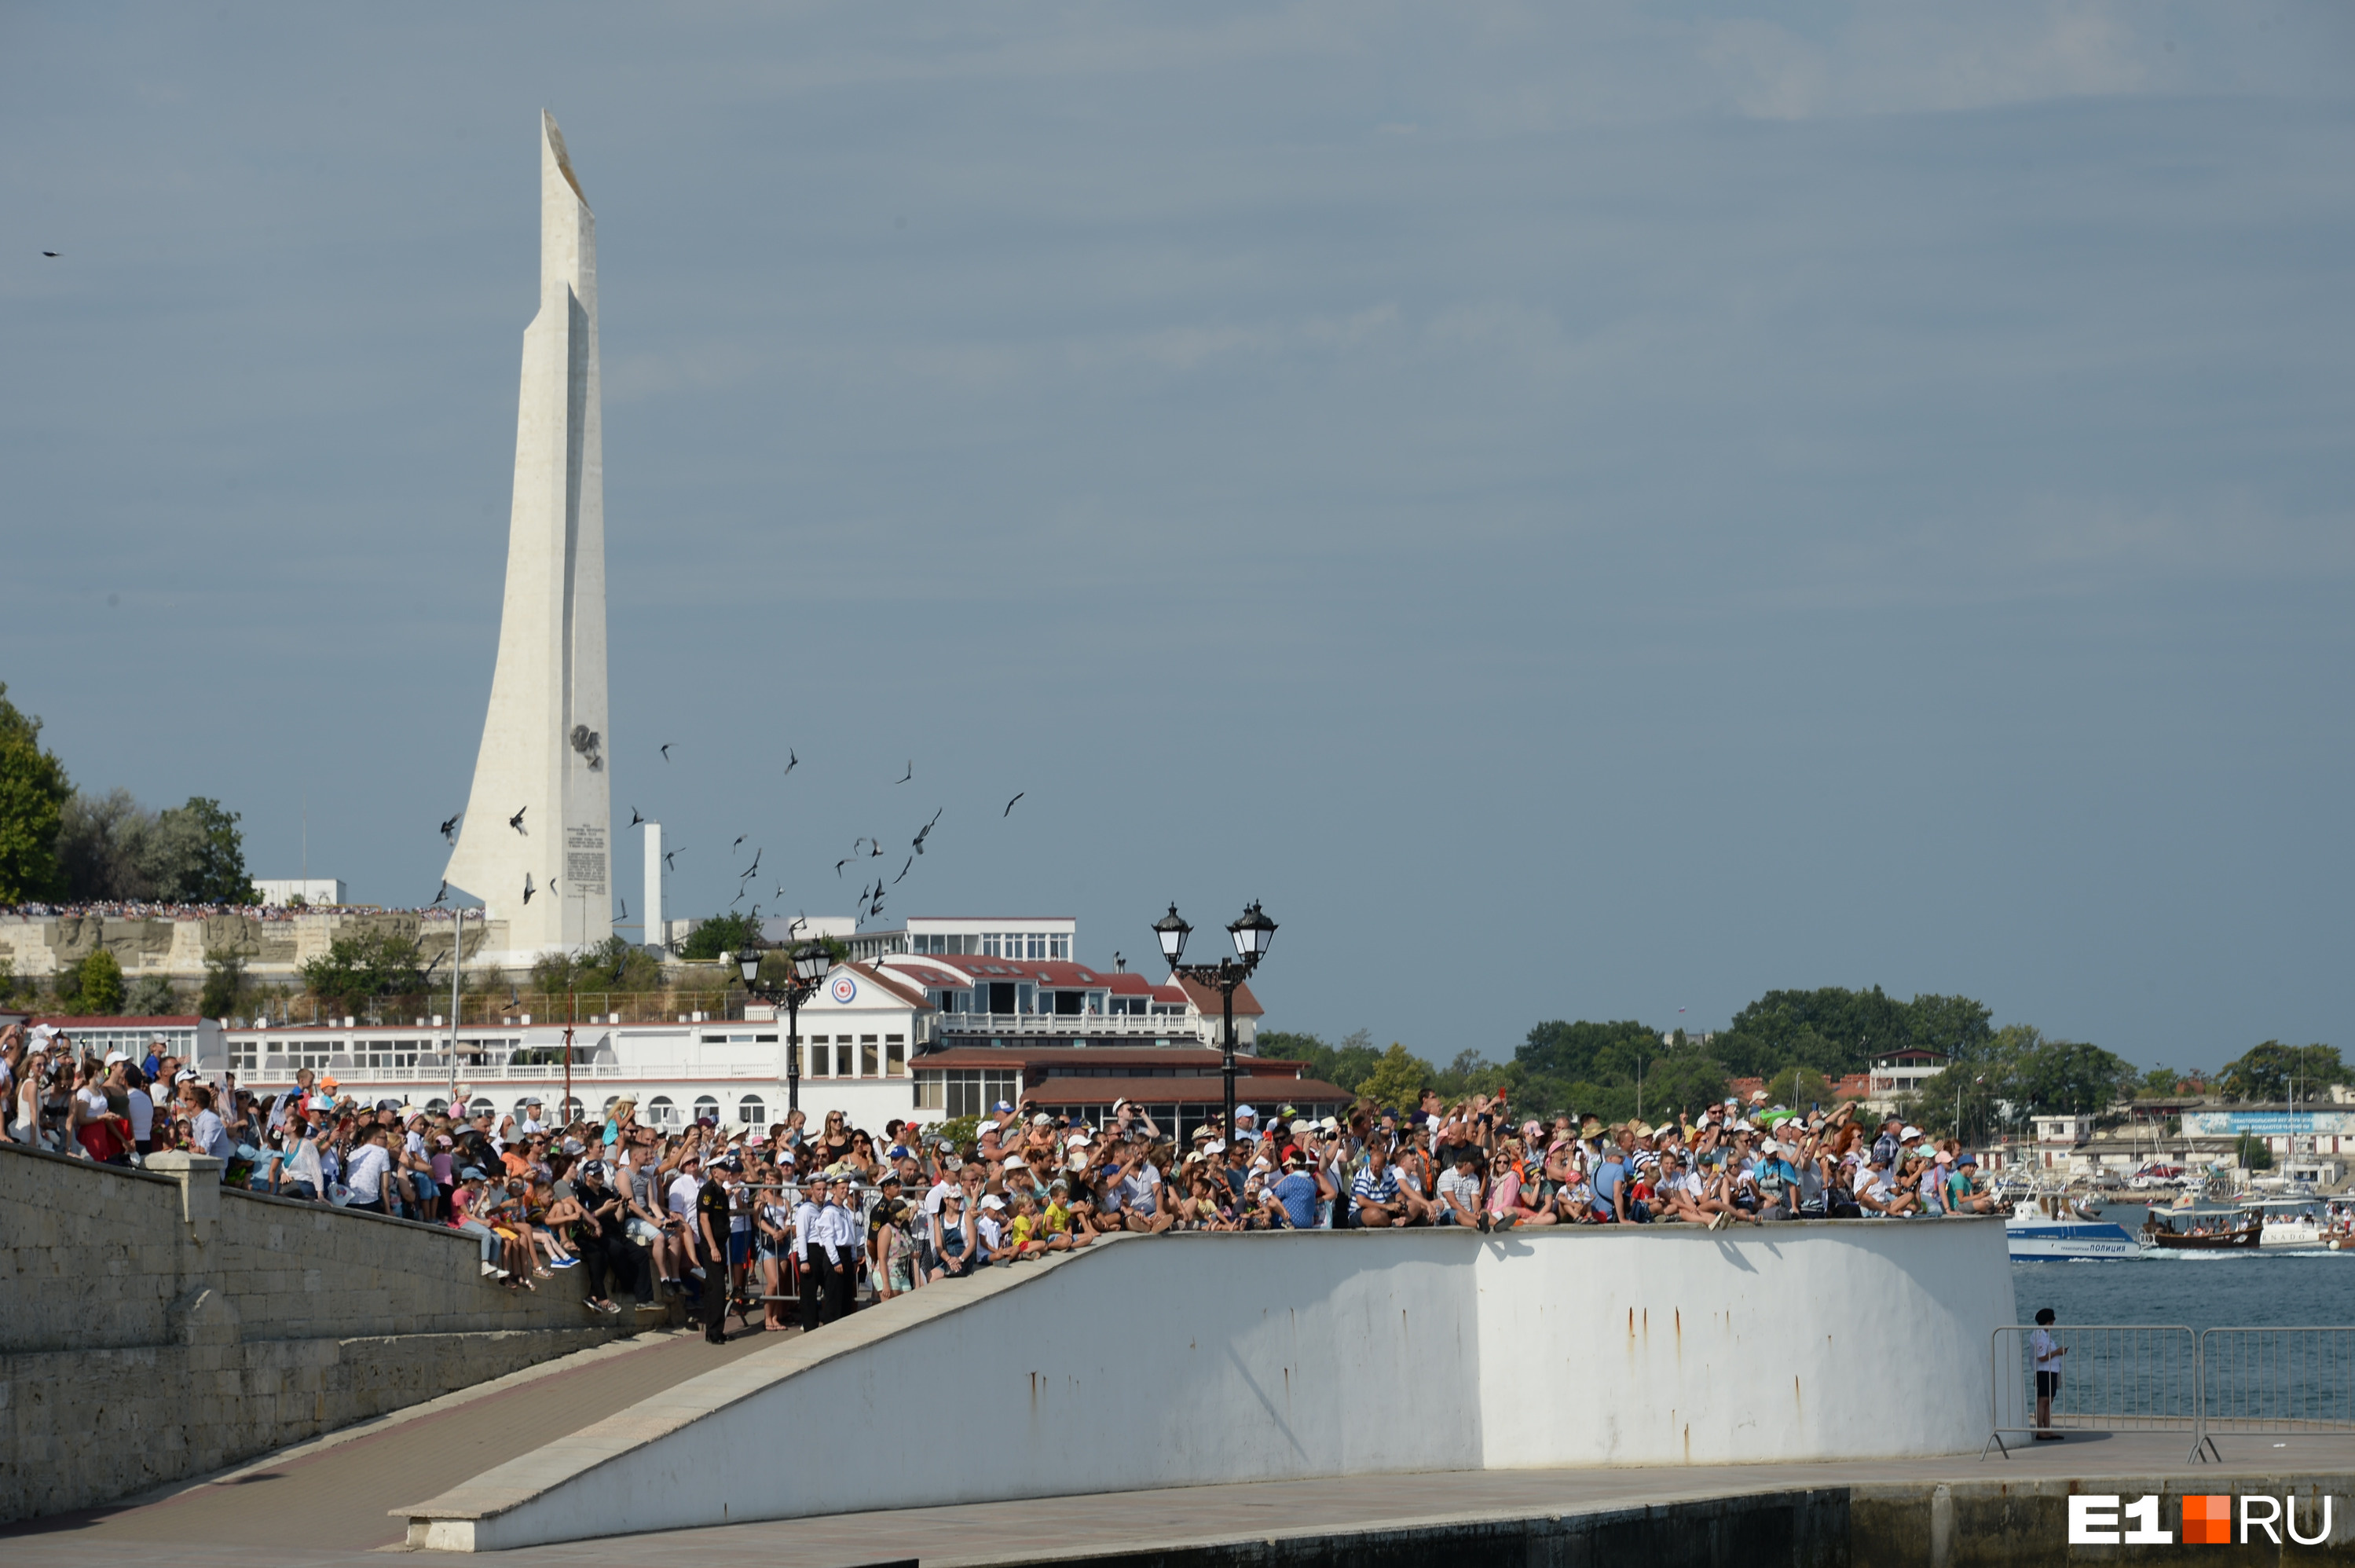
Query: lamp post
[1251, 934]
[811, 963]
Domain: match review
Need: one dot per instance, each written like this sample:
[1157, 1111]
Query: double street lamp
[1251, 934]
[811, 963]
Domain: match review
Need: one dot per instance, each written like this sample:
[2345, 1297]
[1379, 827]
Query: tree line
[63, 845]
[1797, 1042]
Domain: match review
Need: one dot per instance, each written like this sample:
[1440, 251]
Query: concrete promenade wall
[1200, 1358]
[153, 1329]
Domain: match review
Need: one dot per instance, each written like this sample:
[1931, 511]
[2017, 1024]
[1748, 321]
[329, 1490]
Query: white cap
[1042, 1120]
[1076, 1140]
[992, 1200]
[1215, 1146]
[115, 1056]
[1910, 1133]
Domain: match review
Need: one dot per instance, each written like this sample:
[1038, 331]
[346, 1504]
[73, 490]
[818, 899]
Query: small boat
[2240, 1234]
[2288, 1222]
[2048, 1230]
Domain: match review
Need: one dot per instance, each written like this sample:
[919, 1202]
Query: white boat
[2290, 1221]
[2047, 1230]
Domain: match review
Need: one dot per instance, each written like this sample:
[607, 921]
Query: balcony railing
[1085, 1026]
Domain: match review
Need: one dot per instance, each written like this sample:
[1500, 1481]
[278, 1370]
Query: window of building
[752, 1111]
[661, 1112]
[966, 1091]
[844, 1063]
[569, 1112]
[705, 1105]
[821, 1057]
[868, 1064]
[895, 1056]
[479, 1105]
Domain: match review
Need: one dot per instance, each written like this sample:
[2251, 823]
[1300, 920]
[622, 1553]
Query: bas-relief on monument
[544, 739]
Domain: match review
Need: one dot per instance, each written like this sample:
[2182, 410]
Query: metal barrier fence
[2276, 1381]
[2139, 1377]
[2234, 1382]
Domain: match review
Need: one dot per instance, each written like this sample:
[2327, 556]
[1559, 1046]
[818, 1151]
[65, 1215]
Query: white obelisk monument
[539, 816]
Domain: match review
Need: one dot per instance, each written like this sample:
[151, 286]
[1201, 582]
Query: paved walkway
[330, 1496]
[326, 1508]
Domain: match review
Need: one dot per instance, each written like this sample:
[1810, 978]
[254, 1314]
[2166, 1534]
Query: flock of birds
[870, 897]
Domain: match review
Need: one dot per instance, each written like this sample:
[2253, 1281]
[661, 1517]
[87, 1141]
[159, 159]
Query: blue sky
[1585, 511]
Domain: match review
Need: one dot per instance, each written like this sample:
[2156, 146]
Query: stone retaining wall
[156, 1325]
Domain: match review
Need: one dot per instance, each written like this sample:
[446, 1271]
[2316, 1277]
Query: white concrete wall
[1198, 1358]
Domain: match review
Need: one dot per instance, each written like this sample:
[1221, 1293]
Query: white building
[318, 892]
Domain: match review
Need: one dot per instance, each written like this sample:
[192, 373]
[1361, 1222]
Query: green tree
[1343, 1066]
[2066, 1075]
[151, 997]
[721, 933]
[2268, 1071]
[360, 968]
[1834, 1029]
[1584, 1050]
[613, 965]
[33, 794]
[1800, 1088]
[1396, 1082]
[224, 985]
[197, 855]
[1683, 1080]
[2253, 1152]
[97, 985]
[2159, 1083]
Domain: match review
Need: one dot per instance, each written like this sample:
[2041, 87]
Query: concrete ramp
[1194, 1359]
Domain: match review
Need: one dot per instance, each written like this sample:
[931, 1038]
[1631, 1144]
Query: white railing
[274, 1072]
[1085, 1026]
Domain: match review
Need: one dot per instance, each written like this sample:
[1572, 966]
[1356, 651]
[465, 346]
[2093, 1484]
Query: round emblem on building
[845, 989]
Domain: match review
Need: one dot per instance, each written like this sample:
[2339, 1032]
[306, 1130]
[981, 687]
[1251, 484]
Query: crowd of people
[821, 1217]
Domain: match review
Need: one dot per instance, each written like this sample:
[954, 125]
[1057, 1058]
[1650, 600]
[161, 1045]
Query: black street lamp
[811, 962]
[1251, 935]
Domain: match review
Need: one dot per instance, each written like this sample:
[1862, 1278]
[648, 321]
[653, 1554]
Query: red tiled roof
[914, 998]
[71, 1021]
[1175, 1090]
[1207, 998]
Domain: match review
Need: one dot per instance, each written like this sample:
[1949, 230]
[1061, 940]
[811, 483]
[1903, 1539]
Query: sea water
[2254, 1287]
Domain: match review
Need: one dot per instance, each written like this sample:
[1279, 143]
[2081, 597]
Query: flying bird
[903, 872]
[625, 913]
[792, 761]
[634, 817]
[450, 828]
[904, 778]
[753, 867]
[839, 865]
[875, 849]
[740, 842]
[671, 855]
[515, 821]
[50, 254]
[1010, 806]
[666, 751]
[926, 831]
[877, 907]
[443, 896]
[526, 887]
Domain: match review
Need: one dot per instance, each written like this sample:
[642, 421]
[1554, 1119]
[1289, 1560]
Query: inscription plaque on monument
[584, 859]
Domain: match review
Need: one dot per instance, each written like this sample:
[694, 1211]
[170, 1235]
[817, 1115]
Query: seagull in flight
[839, 865]
[526, 887]
[626, 910]
[903, 872]
[904, 778]
[634, 817]
[52, 255]
[671, 855]
[753, 867]
[450, 828]
[792, 761]
[1010, 806]
[740, 842]
[515, 821]
[666, 751]
[443, 896]
[875, 849]
[924, 832]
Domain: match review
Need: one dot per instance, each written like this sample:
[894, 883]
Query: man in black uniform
[711, 1207]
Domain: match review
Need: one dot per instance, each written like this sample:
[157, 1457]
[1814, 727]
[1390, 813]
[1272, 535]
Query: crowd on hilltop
[753, 1218]
[136, 909]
